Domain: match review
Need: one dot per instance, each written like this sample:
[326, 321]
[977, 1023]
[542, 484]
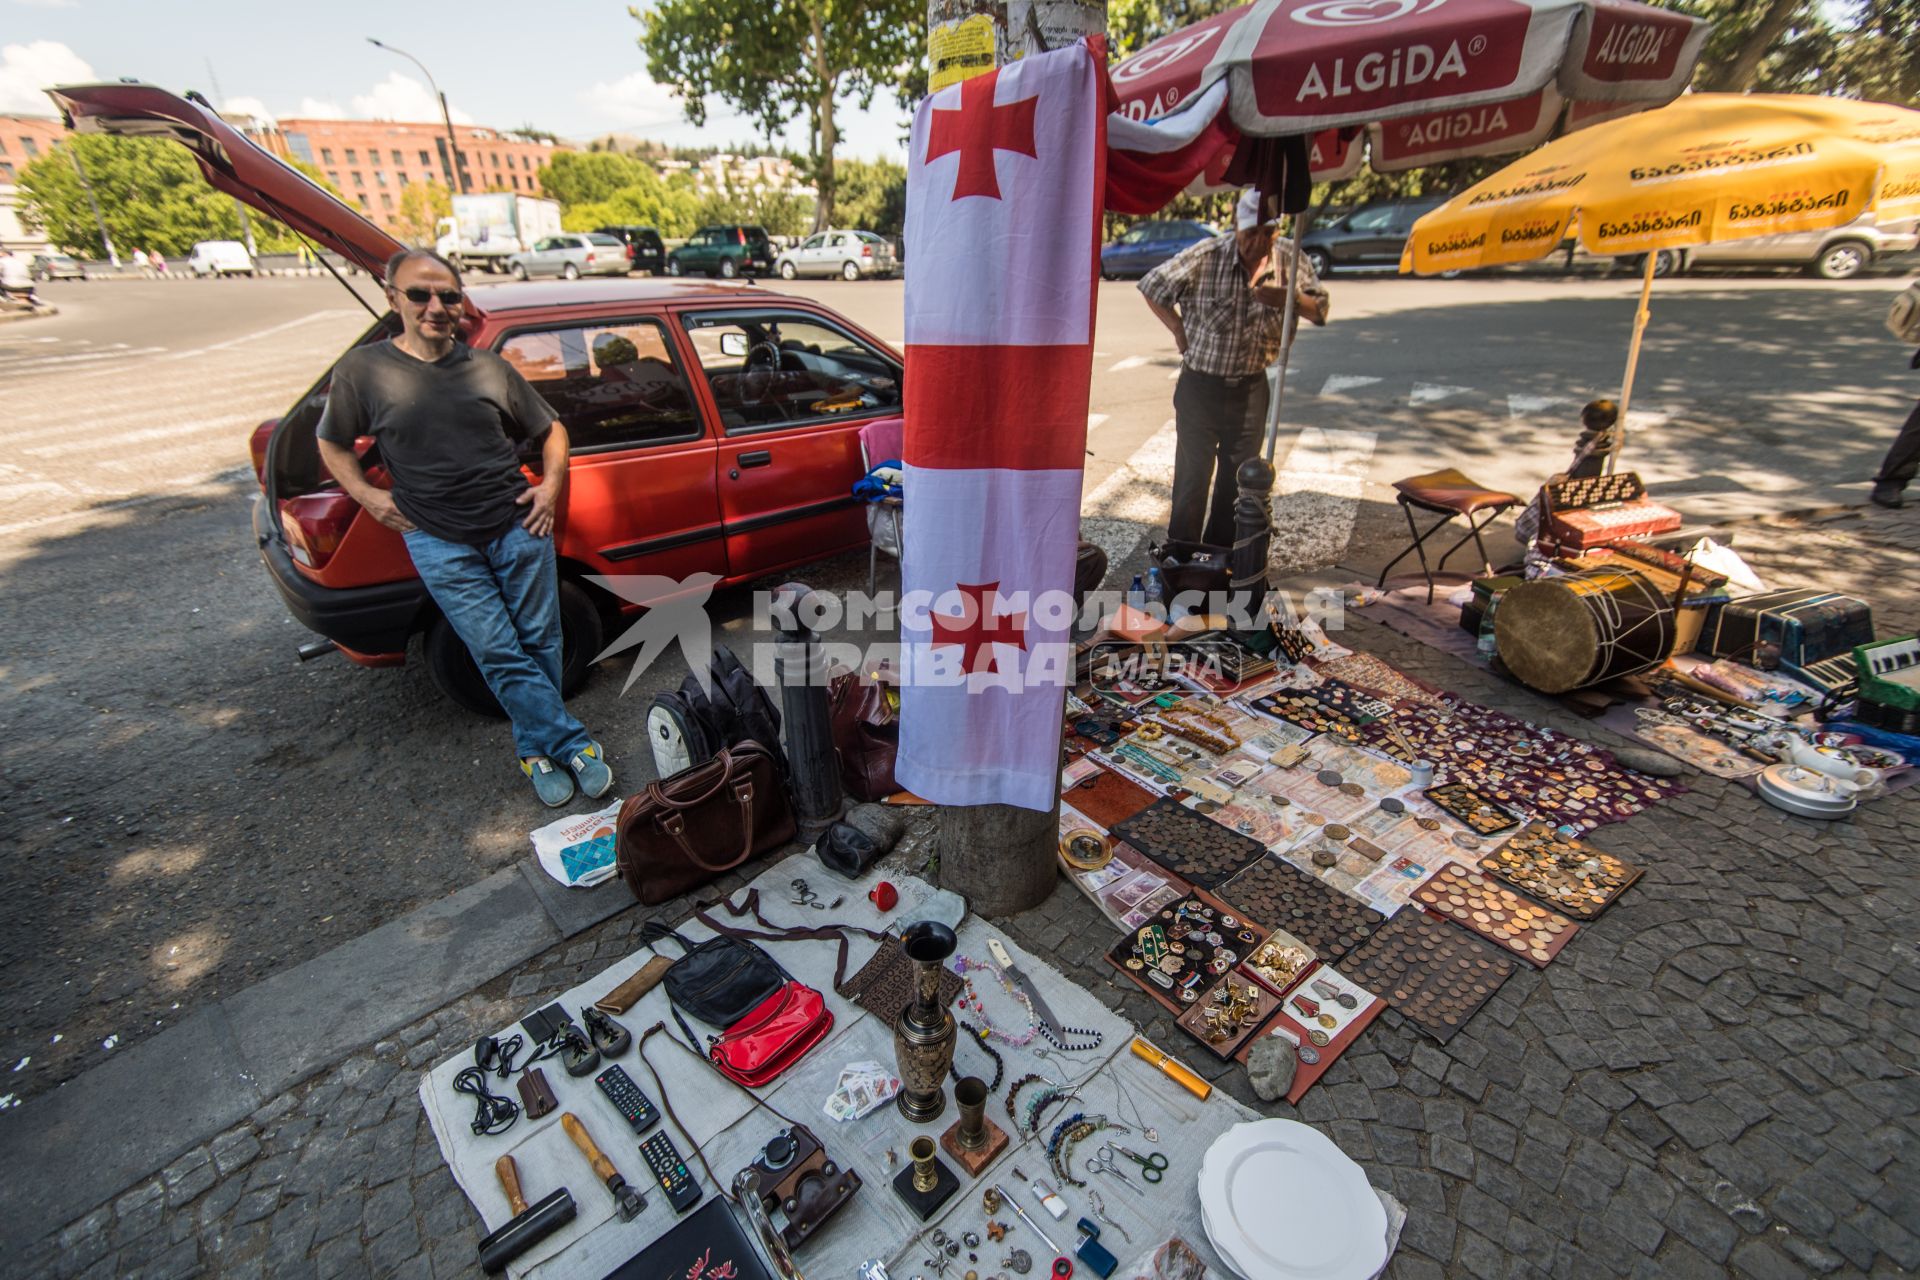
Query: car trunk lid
[231, 162]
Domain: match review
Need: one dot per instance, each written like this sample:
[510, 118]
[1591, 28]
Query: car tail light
[315, 524]
[257, 447]
[629, 253]
[866, 251]
[589, 259]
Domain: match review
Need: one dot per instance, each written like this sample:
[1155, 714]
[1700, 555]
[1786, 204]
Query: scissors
[1102, 1162]
[1151, 1167]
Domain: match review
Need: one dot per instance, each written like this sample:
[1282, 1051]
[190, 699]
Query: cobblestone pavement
[1717, 1078]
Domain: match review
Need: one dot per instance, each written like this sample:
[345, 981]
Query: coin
[1319, 1037]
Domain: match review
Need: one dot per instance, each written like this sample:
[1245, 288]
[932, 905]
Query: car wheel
[519, 271]
[1321, 263]
[1666, 262]
[570, 272]
[453, 671]
[787, 272]
[729, 269]
[850, 272]
[1842, 260]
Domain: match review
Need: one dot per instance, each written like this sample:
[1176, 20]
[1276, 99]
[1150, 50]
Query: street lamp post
[456, 175]
[106, 240]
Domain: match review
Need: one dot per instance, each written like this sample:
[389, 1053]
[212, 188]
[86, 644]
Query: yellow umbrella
[1705, 168]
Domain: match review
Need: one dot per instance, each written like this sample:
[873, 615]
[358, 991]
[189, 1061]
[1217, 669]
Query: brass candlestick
[926, 1175]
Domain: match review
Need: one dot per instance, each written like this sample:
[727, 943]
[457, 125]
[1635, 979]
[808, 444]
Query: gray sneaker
[553, 786]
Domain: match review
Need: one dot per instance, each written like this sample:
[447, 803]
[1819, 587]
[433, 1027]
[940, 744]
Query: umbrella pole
[1640, 318]
[1289, 320]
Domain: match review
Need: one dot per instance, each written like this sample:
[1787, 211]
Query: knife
[1019, 979]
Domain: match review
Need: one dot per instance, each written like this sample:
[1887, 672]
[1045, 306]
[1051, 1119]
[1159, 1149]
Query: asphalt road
[187, 810]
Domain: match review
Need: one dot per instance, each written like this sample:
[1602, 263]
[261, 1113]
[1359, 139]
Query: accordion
[1592, 510]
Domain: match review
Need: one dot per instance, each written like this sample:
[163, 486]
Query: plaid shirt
[1229, 332]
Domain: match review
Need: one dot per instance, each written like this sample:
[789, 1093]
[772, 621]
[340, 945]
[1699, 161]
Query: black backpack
[689, 727]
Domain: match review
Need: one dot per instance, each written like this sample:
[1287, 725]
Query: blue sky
[571, 66]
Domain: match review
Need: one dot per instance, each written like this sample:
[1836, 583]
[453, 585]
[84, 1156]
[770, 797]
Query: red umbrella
[1427, 80]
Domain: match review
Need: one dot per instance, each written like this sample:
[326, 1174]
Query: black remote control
[634, 1106]
[670, 1171]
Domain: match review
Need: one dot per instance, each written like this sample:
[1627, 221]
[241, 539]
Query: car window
[796, 368]
[613, 383]
[1138, 235]
[1376, 219]
[813, 242]
[604, 240]
[871, 237]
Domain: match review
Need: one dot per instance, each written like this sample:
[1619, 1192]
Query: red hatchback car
[715, 428]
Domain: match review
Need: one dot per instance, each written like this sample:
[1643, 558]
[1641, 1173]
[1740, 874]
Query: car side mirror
[733, 344]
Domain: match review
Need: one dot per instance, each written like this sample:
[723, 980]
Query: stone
[1655, 764]
[1270, 1068]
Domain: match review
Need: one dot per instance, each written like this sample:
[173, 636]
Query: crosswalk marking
[1434, 392]
[1094, 420]
[1317, 496]
[1527, 406]
[1341, 383]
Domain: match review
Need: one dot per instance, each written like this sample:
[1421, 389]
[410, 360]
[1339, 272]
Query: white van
[220, 258]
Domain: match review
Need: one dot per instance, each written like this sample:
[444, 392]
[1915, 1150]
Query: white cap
[1246, 214]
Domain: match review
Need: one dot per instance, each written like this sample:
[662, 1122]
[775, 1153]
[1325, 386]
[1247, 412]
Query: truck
[486, 229]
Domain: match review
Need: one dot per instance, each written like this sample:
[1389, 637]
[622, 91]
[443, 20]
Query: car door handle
[758, 458]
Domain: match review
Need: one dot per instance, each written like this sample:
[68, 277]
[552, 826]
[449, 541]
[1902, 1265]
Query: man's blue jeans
[503, 599]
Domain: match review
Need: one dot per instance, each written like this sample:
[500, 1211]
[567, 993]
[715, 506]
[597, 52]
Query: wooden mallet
[528, 1227]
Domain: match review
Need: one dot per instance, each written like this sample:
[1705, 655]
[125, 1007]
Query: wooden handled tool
[528, 1226]
[629, 1200]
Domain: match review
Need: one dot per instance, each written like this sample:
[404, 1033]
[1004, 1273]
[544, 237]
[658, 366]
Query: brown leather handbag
[866, 734]
[683, 831]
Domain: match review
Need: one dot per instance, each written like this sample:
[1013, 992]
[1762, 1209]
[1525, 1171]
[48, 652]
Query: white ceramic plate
[1280, 1201]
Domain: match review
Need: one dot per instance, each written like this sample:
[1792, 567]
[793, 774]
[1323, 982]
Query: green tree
[152, 196]
[777, 60]
[872, 196]
[781, 212]
[581, 177]
[422, 205]
[672, 207]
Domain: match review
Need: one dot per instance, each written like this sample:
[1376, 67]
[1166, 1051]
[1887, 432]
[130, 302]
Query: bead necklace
[970, 998]
[979, 1037]
[1013, 1093]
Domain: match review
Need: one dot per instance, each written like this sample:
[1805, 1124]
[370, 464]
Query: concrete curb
[143, 1109]
[38, 313]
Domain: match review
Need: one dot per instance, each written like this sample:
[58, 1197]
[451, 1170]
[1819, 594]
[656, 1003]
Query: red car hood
[231, 163]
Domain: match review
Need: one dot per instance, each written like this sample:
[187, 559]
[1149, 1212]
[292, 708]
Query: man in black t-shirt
[445, 418]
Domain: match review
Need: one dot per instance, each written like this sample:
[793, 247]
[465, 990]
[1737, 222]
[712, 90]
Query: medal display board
[1498, 914]
[1178, 954]
[1191, 845]
[1566, 874]
[1435, 975]
[1322, 917]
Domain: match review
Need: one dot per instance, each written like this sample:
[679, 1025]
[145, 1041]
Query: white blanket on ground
[730, 1128]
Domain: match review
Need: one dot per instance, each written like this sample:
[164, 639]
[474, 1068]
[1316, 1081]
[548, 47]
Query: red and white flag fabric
[1004, 190]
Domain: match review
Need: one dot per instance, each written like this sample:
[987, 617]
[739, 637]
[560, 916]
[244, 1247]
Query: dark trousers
[1218, 424]
[1902, 462]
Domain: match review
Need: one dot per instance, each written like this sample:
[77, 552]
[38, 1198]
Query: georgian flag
[1004, 191]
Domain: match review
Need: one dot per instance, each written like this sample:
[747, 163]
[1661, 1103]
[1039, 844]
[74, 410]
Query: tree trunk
[1736, 73]
[823, 181]
[1000, 857]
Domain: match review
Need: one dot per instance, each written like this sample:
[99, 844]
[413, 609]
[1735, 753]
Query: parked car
[725, 251]
[645, 252]
[713, 430]
[1371, 236]
[56, 266]
[1840, 253]
[571, 255]
[1146, 245]
[220, 258]
[851, 255]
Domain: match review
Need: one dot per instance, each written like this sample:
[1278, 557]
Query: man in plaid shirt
[1223, 300]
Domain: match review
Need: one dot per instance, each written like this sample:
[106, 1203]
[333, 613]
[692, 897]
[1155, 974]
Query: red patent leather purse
[777, 1033]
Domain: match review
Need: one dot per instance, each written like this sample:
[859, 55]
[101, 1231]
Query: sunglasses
[420, 296]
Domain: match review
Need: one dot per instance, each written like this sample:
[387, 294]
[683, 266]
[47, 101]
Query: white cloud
[246, 107]
[28, 70]
[635, 101]
[401, 97]
[317, 109]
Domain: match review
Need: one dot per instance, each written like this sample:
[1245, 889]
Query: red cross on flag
[1004, 188]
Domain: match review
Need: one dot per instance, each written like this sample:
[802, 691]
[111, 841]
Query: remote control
[670, 1171]
[637, 1109]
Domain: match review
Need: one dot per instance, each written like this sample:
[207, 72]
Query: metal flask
[923, 1034]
